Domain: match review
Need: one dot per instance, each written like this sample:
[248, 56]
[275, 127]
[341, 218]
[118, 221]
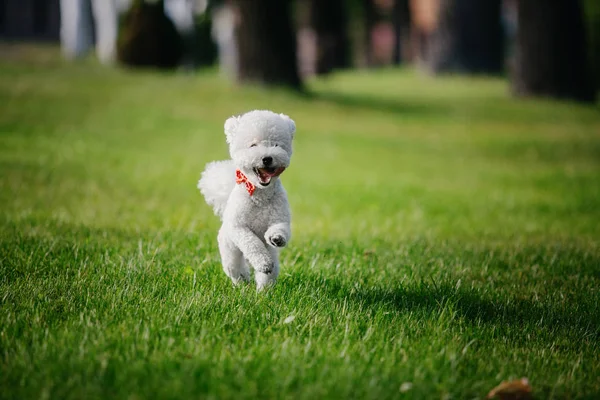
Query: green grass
[445, 235]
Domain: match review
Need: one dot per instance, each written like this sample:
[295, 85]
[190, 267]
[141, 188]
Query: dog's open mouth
[266, 174]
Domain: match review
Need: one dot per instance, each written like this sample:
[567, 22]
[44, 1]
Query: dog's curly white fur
[256, 215]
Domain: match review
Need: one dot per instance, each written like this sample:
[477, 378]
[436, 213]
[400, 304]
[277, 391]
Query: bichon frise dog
[246, 193]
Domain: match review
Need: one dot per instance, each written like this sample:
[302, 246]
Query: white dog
[246, 193]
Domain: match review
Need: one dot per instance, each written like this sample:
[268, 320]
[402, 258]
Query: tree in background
[551, 51]
[267, 43]
[468, 37]
[401, 19]
[148, 38]
[328, 19]
[379, 30]
[424, 20]
[370, 18]
[82, 21]
[592, 11]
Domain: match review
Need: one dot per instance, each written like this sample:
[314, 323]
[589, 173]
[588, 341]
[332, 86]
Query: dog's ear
[231, 126]
[291, 124]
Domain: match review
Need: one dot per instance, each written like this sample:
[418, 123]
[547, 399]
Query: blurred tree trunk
[401, 20]
[267, 43]
[551, 53]
[370, 15]
[329, 20]
[469, 37]
[592, 12]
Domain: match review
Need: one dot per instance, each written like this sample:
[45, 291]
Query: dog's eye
[253, 145]
[276, 145]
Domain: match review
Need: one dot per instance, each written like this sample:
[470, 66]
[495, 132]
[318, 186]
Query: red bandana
[241, 178]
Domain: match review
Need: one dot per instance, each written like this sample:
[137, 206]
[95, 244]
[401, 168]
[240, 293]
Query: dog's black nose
[267, 161]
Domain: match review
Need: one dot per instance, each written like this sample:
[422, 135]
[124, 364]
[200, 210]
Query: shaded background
[545, 49]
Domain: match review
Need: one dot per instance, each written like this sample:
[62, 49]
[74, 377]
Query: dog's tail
[216, 183]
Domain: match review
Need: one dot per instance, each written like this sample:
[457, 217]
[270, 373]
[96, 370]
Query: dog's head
[260, 144]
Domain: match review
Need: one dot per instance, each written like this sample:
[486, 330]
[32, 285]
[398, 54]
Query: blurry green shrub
[148, 38]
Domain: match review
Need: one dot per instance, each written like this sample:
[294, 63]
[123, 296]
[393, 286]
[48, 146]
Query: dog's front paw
[266, 268]
[277, 240]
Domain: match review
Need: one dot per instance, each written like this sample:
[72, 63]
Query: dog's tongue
[265, 174]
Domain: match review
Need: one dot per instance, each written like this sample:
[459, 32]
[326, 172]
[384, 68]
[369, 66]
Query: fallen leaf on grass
[289, 319]
[519, 389]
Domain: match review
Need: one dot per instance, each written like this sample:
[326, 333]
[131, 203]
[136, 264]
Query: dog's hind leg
[234, 265]
[264, 280]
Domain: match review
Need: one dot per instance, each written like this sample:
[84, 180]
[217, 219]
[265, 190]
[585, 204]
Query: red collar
[241, 178]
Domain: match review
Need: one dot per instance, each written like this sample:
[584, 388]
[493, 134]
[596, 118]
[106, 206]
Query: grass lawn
[445, 238]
